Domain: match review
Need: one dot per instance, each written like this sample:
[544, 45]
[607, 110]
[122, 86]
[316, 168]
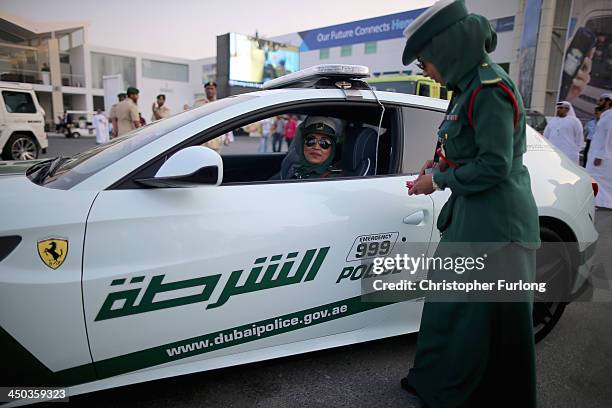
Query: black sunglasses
[420, 64]
[323, 143]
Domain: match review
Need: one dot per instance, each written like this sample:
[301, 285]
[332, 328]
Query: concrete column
[88, 73]
[516, 44]
[555, 60]
[89, 102]
[540, 78]
[57, 100]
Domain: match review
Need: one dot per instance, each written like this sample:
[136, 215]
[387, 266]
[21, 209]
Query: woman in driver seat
[315, 146]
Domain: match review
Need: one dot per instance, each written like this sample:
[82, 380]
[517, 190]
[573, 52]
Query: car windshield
[83, 165]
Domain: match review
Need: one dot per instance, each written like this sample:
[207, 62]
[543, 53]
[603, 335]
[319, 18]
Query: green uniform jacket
[491, 197]
[474, 353]
[477, 353]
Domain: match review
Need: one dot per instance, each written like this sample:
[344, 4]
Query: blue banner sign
[371, 29]
[503, 24]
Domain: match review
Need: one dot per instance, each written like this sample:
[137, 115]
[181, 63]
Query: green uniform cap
[434, 20]
[132, 91]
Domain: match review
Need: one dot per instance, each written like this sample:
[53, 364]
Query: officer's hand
[583, 77]
[597, 162]
[428, 165]
[422, 185]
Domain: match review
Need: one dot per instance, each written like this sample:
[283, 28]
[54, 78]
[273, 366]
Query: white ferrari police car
[153, 256]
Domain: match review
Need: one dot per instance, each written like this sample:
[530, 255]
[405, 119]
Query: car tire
[20, 147]
[75, 135]
[554, 268]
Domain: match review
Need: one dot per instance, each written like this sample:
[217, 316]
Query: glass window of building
[324, 53]
[346, 51]
[168, 71]
[64, 42]
[209, 73]
[107, 64]
[19, 64]
[77, 38]
[370, 48]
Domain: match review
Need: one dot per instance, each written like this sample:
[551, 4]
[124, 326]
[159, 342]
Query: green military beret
[132, 91]
[434, 20]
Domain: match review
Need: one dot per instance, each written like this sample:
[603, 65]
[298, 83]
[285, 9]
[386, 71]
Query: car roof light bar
[336, 71]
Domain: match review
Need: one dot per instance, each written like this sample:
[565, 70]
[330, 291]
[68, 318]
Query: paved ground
[574, 362]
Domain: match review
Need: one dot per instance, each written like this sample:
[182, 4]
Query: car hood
[11, 168]
[26, 206]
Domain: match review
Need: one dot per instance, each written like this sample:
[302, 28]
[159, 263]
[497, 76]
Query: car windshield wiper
[50, 168]
[38, 165]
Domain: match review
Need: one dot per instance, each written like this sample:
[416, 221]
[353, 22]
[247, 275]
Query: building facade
[67, 72]
[378, 42]
[533, 39]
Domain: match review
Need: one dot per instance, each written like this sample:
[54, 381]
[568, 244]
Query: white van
[22, 123]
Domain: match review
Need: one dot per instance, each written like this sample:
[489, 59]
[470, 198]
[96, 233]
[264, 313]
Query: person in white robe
[599, 163]
[100, 122]
[564, 131]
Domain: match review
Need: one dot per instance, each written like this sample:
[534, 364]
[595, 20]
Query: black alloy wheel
[554, 267]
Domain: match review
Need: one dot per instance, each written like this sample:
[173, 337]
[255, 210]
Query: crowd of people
[282, 127]
[124, 116]
[565, 131]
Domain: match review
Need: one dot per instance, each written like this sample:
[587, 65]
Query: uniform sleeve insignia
[487, 75]
[53, 251]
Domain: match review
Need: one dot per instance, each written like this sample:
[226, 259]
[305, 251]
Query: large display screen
[254, 61]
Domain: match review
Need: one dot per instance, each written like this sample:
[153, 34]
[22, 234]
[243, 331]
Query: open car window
[360, 150]
[89, 162]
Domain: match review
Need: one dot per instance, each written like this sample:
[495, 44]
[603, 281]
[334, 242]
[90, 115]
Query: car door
[187, 274]
[170, 267]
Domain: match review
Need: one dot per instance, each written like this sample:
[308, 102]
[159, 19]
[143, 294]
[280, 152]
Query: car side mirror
[189, 167]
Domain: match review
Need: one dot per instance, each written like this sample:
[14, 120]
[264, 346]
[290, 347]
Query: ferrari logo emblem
[53, 251]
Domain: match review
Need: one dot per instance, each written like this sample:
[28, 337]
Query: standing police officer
[475, 354]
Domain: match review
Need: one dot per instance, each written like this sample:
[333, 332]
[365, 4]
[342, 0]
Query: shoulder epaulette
[487, 75]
